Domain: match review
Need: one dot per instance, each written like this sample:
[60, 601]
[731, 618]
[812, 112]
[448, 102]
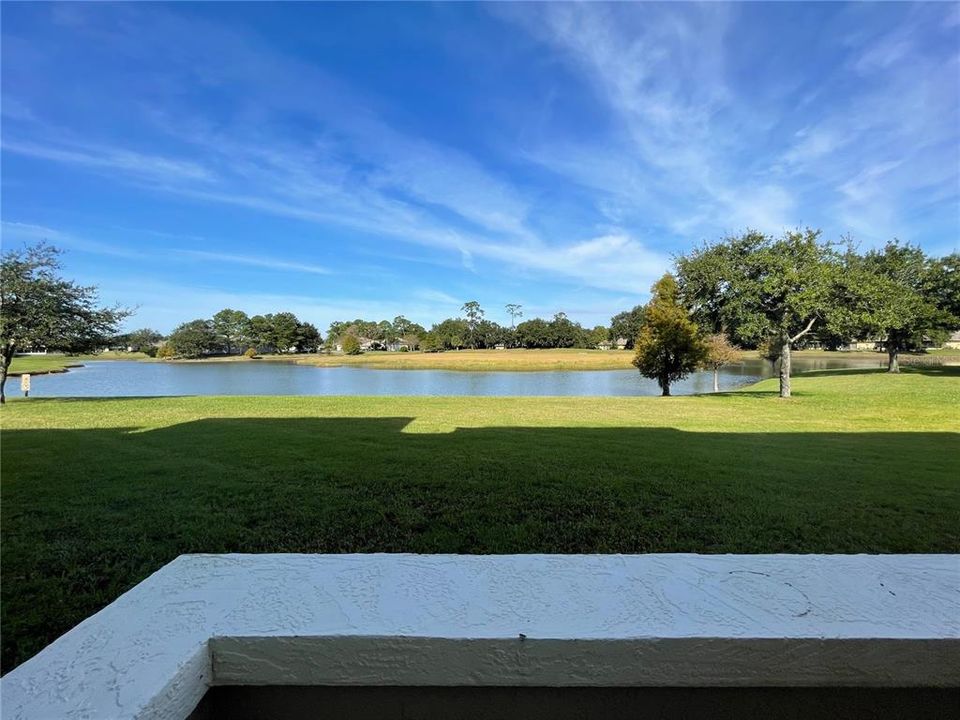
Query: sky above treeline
[370, 160]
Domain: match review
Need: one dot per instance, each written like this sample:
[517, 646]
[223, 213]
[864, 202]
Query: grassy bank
[37, 364]
[99, 493]
[557, 359]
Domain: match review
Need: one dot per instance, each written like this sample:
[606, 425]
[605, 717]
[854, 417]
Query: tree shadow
[88, 513]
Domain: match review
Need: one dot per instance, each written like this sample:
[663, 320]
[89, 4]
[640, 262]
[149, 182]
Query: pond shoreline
[165, 379]
[490, 361]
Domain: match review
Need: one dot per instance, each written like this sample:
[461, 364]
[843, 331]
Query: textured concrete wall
[649, 620]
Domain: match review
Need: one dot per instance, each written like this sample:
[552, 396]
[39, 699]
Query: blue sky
[343, 160]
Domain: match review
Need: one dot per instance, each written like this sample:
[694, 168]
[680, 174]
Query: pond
[130, 378]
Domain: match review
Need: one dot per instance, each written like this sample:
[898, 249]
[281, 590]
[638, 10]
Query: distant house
[953, 342]
[604, 345]
[499, 346]
[863, 344]
[621, 343]
[397, 346]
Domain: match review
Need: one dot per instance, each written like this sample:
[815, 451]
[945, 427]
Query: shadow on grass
[88, 513]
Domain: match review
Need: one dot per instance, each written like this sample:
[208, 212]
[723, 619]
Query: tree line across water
[751, 290]
[231, 332]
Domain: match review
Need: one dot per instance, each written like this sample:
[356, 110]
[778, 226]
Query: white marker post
[25, 384]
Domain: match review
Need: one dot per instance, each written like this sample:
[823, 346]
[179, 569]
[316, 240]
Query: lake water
[131, 378]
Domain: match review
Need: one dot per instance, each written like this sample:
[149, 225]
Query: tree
[887, 294]
[144, 339]
[719, 352]
[193, 339]
[283, 331]
[565, 333]
[758, 287]
[534, 333]
[402, 326]
[449, 334]
[39, 309]
[350, 344]
[259, 331]
[308, 338]
[230, 328]
[431, 343]
[474, 314]
[626, 325]
[942, 285]
[514, 310]
[596, 336]
[669, 346]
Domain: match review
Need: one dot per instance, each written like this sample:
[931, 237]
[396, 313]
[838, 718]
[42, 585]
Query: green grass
[99, 493]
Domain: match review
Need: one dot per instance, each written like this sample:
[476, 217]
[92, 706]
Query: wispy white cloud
[35, 233]
[256, 261]
[353, 171]
[661, 70]
[105, 158]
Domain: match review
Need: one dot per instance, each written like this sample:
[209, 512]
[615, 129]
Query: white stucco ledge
[509, 620]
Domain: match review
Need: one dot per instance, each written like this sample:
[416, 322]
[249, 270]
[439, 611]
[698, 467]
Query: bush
[166, 351]
[350, 345]
[404, 348]
[149, 351]
[250, 353]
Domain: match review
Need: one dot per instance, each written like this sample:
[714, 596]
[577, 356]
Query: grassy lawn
[57, 363]
[97, 493]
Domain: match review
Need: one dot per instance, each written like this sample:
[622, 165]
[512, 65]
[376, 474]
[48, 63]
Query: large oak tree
[758, 288]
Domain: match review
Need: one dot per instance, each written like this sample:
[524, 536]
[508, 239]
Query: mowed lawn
[97, 494]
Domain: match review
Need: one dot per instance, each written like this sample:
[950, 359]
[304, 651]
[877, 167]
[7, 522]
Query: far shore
[516, 360]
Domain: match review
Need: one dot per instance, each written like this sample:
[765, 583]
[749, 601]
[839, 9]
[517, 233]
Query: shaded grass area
[99, 493]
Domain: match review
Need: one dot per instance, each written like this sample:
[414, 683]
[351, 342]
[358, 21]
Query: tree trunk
[5, 360]
[665, 386]
[716, 379]
[893, 362]
[785, 368]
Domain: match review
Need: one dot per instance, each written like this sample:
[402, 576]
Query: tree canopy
[668, 346]
[758, 288]
[626, 325]
[39, 310]
[886, 294]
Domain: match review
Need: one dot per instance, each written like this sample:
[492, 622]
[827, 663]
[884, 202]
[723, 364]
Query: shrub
[166, 351]
[404, 348]
[350, 345]
[149, 351]
[250, 353]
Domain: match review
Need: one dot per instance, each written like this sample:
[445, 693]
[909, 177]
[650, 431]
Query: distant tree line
[472, 330]
[233, 332]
